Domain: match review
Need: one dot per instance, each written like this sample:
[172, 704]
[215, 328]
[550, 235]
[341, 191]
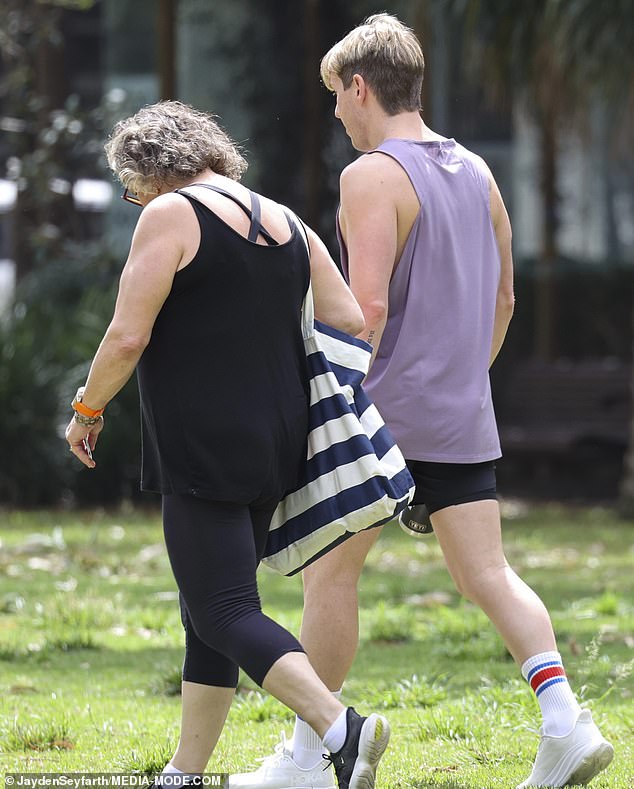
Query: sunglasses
[130, 197]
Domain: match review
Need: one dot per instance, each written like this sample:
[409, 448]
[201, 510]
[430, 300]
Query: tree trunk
[166, 48]
[545, 329]
[424, 30]
[312, 113]
[43, 64]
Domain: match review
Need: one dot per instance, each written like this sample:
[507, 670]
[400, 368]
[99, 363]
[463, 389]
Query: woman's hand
[82, 440]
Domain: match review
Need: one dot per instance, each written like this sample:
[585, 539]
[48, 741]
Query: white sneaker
[279, 771]
[573, 759]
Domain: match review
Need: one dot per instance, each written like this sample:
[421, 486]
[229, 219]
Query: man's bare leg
[330, 627]
[330, 621]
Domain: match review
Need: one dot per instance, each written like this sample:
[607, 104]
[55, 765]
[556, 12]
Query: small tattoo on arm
[370, 339]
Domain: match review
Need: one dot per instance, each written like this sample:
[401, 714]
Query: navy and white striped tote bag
[355, 476]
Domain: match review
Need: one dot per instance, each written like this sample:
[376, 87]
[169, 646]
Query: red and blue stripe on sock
[546, 674]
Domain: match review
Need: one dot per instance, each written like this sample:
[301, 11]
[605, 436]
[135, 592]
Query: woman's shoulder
[166, 204]
[166, 213]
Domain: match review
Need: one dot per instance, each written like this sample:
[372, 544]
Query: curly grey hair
[167, 143]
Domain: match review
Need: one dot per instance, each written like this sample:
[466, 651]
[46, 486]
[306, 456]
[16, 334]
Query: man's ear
[360, 87]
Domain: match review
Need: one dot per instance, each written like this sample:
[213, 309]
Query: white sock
[307, 744]
[174, 781]
[546, 676]
[335, 737]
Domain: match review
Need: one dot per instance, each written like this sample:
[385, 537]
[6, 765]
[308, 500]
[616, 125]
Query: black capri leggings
[214, 549]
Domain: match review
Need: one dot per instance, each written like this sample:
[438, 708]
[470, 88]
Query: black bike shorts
[440, 485]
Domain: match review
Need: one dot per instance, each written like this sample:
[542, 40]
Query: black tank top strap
[254, 213]
[295, 223]
[256, 221]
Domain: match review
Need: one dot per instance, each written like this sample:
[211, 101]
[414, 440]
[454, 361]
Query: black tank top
[223, 380]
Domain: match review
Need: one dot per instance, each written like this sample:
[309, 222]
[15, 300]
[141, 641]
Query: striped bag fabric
[355, 476]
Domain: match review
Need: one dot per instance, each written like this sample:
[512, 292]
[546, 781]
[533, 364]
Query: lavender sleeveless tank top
[430, 377]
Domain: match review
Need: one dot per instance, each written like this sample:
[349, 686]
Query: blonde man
[426, 247]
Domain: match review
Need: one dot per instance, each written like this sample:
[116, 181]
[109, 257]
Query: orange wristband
[82, 409]
[85, 411]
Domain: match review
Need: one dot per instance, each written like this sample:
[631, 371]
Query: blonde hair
[168, 143]
[387, 55]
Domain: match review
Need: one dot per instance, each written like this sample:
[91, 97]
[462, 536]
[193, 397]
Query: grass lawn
[91, 646]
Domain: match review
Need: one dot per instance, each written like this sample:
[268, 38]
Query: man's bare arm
[505, 301]
[368, 220]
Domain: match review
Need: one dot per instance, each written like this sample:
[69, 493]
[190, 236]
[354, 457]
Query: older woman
[209, 312]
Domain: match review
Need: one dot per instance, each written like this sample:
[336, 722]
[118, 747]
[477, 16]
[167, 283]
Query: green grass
[91, 648]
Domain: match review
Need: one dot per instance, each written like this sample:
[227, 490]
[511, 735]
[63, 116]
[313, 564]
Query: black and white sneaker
[366, 740]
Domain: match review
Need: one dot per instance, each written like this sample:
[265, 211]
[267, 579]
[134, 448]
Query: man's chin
[357, 145]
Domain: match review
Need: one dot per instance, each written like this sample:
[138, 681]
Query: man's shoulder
[369, 167]
[471, 156]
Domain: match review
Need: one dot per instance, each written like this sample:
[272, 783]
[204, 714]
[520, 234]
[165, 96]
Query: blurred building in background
[248, 62]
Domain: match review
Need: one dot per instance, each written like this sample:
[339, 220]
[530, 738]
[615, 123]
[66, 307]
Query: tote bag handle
[308, 308]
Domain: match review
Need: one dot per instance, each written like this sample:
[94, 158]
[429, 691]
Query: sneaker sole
[375, 735]
[592, 765]
[294, 785]
[571, 772]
